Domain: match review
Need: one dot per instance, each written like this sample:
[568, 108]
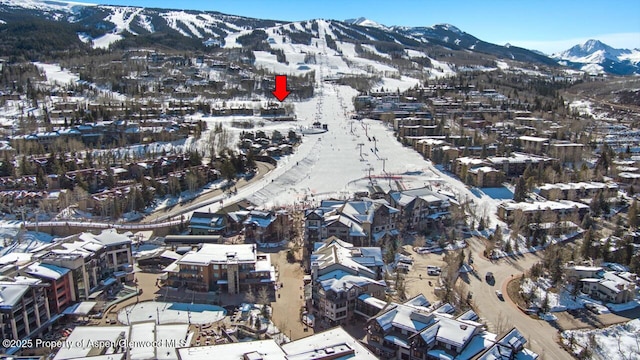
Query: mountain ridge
[595, 57]
[101, 26]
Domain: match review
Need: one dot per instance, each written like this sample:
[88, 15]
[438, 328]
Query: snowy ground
[348, 158]
[12, 240]
[558, 301]
[619, 342]
[170, 313]
[339, 162]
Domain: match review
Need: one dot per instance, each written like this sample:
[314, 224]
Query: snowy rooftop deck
[139, 337]
[267, 349]
[221, 254]
[10, 294]
[84, 337]
[339, 281]
[46, 271]
[320, 345]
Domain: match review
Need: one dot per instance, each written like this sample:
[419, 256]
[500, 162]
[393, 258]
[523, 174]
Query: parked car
[592, 308]
[433, 270]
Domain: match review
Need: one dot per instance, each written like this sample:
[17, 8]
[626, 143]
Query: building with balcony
[546, 211]
[94, 261]
[578, 191]
[609, 286]
[24, 309]
[229, 268]
[418, 330]
[340, 273]
[360, 222]
[420, 208]
[61, 290]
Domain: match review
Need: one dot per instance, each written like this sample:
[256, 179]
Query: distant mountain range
[44, 26]
[596, 57]
[100, 26]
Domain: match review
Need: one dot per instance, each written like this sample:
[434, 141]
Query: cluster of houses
[257, 225]
[104, 133]
[40, 287]
[275, 146]
[110, 189]
[417, 329]
[347, 286]
[368, 220]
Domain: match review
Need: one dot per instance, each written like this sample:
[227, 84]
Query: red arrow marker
[281, 91]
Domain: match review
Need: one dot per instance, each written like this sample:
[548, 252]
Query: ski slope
[350, 156]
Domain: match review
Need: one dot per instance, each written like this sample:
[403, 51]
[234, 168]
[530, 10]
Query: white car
[499, 295]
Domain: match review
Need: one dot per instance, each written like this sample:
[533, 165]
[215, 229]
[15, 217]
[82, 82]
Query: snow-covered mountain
[362, 21]
[101, 26]
[595, 56]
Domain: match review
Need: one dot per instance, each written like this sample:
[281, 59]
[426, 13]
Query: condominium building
[229, 268]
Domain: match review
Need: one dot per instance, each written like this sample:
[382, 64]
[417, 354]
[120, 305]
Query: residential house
[517, 163]
[566, 152]
[202, 223]
[95, 261]
[533, 144]
[612, 287]
[484, 176]
[266, 226]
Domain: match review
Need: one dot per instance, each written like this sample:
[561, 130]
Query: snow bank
[619, 342]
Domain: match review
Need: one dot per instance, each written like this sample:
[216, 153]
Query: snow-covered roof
[221, 254]
[483, 169]
[265, 349]
[335, 342]
[406, 318]
[17, 258]
[333, 252]
[110, 237]
[10, 293]
[543, 205]
[533, 138]
[477, 344]
[339, 281]
[516, 158]
[454, 332]
[470, 161]
[629, 175]
[592, 185]
[81, 308]
[373, 301]
[46, 271]
[84, 336]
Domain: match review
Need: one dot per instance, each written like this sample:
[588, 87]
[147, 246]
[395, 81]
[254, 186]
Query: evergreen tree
[632, 215]
[520, 192]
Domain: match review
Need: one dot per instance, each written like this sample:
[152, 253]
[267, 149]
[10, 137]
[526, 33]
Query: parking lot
[417, 280]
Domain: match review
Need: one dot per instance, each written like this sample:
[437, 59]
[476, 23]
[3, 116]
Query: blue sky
[544, 25]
